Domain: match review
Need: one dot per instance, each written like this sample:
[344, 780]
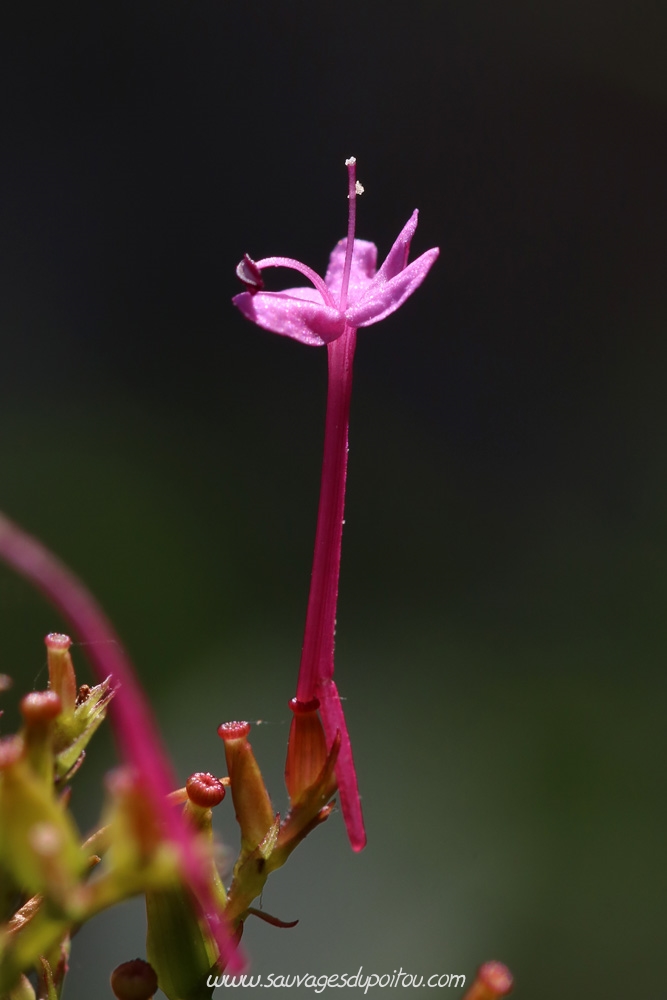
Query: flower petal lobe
[298, 313]
[383, 298]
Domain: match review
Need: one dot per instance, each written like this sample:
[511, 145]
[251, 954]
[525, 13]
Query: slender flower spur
[353, 294]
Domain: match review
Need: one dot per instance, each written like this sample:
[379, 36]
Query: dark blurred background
[501, 630]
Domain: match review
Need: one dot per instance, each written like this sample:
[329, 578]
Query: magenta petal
[362, 272]
[333, 721]
[299, 316]
[397, 258]
[385, 297]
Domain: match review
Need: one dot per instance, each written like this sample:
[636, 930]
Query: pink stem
[317, 657]
[136, 732]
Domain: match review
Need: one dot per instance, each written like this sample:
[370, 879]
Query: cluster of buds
[44, 867]
[53, 880]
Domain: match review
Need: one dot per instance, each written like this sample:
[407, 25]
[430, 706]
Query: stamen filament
[296, 265]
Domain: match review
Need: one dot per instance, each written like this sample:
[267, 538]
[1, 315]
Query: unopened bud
[306, 748]
[135, 829]
[493, 980]
[39, 708]
[205, 790]
[254, 812]
[39, 843]
[135, 980]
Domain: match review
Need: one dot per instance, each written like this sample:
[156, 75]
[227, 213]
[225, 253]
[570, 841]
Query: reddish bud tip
[233, 730]
[493, 980]
[56, 640]
[40, 707]
[251, 276]
[301, 707]
[205, 790]
[135, 980]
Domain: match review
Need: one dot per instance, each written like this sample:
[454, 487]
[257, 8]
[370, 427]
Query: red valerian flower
[353, 294]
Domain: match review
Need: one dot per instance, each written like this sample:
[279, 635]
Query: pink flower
[353, 294]
[320, 315]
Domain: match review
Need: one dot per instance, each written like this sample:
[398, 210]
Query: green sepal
[72, 732]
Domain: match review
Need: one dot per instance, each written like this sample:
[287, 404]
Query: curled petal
[362, 272]
[385, 297]
[333, 721]
[298, 313]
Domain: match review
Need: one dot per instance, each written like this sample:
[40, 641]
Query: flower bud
[493, 980]
[179, 947]
[135, 980]
[306, 748]
[40, 709]
[38, 841]
[254, 812]
[204, 790]
[135, 833]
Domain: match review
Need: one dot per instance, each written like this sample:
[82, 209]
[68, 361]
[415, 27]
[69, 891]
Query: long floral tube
[135, 729]
[353, 294]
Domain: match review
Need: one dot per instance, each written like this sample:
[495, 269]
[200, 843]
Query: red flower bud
[254, 812]
[205, 790]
